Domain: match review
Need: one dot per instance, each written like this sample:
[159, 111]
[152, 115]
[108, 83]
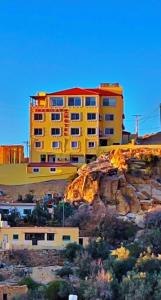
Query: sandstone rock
[129, 192]
[121, 204]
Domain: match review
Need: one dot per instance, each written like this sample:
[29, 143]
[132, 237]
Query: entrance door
[34, 242]
[51, 158]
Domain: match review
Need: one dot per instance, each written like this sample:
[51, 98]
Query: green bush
[72, 250]
[98, 249]
[58, 290]
[119, 268]
[31, 284]
[65, 271]
[140, 286]
[149, 265]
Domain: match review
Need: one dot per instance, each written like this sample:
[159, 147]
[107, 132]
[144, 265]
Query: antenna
[137, 123]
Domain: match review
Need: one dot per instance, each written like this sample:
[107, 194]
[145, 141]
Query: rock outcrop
[126, 179]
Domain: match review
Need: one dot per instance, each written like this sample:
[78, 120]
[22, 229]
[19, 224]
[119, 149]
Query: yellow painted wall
[21, 243]
[20, 174]
[65, 150]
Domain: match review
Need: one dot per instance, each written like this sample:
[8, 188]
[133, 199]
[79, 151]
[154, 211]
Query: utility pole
[137, 124]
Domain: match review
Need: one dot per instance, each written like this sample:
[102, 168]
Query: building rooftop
[76, 91]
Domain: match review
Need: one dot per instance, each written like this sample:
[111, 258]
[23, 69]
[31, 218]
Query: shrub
[72, 250]
[65, 271]
[31, 284]
[141, 286]
[115, 230]
[151, 239]
[84, 263]
[58, 290]
[119, 267]
[98, 249]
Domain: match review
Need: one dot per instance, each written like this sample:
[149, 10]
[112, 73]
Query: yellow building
[73, 125]
[37, 237]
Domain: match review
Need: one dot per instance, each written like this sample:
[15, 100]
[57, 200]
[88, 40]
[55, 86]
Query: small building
[9, 291]
[11, 154]
[150, 139]
[23, 208]
[37, 237]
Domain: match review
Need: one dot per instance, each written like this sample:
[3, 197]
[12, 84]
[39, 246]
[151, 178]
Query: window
[43, 157]
[74, 159]
[52, 170]
[75, 131]
[50, 236]
[35, 170]
[55, 144]
[109, 102]
[15, 236]
[57, 101]
[109, 117]
[32, 236]
[55, 131]
[27, 211]
[38, 144]
[38, 117]
[91, 131]
[91, 116]
[91, 144]
[66, 237]
[75, 117]
[38, 131]
[4, 211]
[74, 101]
[90, 101]
[109, 131]
[55, 117]
[74, 144]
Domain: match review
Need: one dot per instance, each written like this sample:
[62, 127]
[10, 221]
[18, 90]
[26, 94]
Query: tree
[39, 216]
[62, 208]
[58, 290]
[14, 218]
[72, 251]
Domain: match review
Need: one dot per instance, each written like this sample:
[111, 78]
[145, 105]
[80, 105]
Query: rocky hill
[128, 180]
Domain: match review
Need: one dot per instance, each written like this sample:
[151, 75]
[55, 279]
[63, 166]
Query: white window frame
[57, 98]
[75, 120]
[74, 97]
[91, 128]
[91, 142]
[41, 144]
[38, 134]
[51, 170]
[75, 128]
[74, 142]
[107, 134]
[33, 170]
[91, 120]
[55, 134]
[56, 113]
[109, 120]
[36, 113]
[55, 147]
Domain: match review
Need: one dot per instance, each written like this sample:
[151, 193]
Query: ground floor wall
[7, 292]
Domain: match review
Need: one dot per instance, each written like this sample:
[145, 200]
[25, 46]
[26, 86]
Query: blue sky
[48, 45]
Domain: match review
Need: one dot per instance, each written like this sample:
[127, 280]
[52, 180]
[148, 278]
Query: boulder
[122, 205]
